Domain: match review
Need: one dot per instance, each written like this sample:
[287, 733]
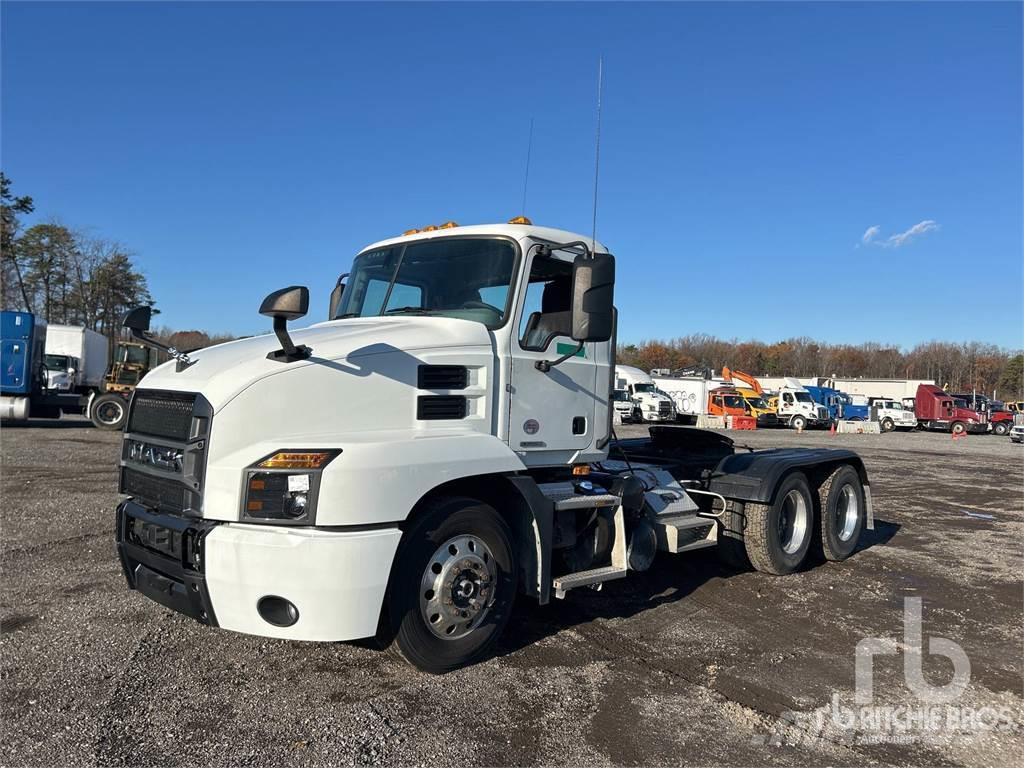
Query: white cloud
[870, 236]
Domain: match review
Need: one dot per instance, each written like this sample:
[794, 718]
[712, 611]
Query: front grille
[664, 409]
[162, 414]
[156, 492]
[442, 377]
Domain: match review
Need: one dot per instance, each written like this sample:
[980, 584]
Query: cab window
[547, 310]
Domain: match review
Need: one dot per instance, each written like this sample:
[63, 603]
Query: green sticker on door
[561, 348]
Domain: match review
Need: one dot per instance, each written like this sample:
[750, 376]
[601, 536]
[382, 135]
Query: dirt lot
[690, 663]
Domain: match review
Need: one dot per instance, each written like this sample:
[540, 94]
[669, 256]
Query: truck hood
[221, 372]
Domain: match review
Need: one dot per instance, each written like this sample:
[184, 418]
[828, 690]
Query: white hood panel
[223, 371]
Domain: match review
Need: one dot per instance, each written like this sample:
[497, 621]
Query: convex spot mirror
[593, 294]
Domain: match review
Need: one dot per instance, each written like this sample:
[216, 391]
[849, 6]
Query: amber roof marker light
[520, 220]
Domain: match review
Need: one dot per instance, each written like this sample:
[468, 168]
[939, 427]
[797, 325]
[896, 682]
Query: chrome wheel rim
[458, 587]
[793, 522]
[110, 412]
[847, 513]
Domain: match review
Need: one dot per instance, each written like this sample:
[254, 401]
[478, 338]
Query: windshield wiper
[407, 311]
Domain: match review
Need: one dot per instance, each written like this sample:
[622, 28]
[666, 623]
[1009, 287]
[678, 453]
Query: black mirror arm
[546, 365]
[184, 361]
[288, 353]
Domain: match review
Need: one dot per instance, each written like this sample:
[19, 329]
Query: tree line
[961, 367]
[64, 275]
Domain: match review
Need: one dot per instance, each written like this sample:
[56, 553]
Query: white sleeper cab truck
[797, 408]
[437, 449]
[651, 403]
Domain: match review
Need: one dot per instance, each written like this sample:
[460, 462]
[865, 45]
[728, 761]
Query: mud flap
[871, 508]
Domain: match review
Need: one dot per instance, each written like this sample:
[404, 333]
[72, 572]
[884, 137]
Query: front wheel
[1000, 427]
[798, 422]
[778, 535]
[888, 425]
[958, 428]
[109, 411]
[453, 586]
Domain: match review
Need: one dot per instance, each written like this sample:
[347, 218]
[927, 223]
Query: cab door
[555, 417]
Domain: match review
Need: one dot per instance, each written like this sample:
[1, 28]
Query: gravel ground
[688, 663]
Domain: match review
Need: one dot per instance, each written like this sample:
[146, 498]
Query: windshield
[461, 277]
[643, 387]
[57, 362]
[959, 402]
[803, 397]
[758, 403]
[620, 396]
[733, 401]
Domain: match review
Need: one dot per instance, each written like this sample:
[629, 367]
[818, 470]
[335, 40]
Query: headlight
[651, 408]
[283, 487]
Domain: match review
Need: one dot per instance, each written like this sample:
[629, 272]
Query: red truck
[1000, 418]
[935, 409]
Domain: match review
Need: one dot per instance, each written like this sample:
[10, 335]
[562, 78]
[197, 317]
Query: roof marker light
[449, 225]
[520, 220]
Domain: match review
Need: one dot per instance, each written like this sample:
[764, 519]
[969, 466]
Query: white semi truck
[796, 407]
[76, 359]
[651, 403]
[440, 446]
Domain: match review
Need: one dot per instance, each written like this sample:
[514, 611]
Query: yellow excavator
[753, 396]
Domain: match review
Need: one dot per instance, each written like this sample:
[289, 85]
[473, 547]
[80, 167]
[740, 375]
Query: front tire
[798, 423]
[778, 535]
[1000, 428]
[109, 411]
[843, 510]
[454, 585]
[958, 428]
[888, 425]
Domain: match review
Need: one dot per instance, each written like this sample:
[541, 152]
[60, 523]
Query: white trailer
[76, 358]
[688, 393]
[415, 464]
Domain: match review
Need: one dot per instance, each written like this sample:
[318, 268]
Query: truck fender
[755, 477]
[529, 514]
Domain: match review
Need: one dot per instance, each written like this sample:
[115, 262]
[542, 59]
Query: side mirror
[138, 319]
[593, 289]
[336, 294]
[287, 304]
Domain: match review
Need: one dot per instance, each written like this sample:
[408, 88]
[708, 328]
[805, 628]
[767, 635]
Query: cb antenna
[526, 175]
[597, 151]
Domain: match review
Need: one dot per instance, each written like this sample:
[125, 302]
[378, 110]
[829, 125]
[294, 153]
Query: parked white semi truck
[438, 447]
[795, 406]
[76, 359]
[651, 403]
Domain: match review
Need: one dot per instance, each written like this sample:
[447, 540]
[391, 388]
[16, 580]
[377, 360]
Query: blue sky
[748, 150]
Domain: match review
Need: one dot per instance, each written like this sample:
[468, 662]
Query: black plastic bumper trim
[162, 578]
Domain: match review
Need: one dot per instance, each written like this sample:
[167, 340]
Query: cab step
[597, 576]
[681, 533]
[593, 577]
[580, 501]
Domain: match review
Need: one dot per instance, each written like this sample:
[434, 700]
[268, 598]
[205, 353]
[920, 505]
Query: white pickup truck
[439, 447]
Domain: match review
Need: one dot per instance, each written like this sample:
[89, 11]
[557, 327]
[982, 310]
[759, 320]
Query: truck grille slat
[162, 414]
[157, 492]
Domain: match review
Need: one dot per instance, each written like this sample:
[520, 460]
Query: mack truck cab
[438, 448]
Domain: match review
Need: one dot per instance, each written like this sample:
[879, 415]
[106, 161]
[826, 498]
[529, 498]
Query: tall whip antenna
[597, 151]
[526, 176]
